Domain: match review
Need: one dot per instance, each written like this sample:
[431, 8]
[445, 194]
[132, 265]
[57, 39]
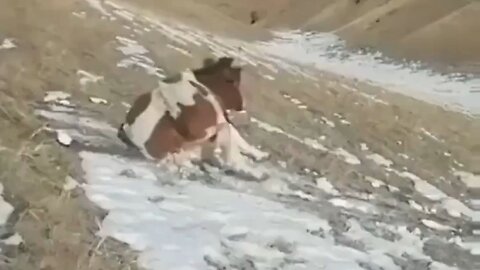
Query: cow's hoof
[261, 157]
[247, 174]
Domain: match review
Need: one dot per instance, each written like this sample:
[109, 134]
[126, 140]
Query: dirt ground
[59, 227]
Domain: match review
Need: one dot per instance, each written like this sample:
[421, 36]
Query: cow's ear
[225, 61]
[207, 62]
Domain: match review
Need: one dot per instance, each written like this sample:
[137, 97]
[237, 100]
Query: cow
[190, 110]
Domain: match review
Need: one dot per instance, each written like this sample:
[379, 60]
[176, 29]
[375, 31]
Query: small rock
[63, 138]
[97, 100]
[56, 96]
[70, 183]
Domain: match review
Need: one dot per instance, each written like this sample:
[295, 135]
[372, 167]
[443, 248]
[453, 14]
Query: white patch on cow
[141, 129]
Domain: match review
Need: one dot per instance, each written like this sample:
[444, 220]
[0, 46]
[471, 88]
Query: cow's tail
[123, 136]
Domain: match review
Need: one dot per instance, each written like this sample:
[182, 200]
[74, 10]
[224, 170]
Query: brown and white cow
[189, 110]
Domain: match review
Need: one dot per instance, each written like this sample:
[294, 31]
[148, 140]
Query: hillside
[441, 32]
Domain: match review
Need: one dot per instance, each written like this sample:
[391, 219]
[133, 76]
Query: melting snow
[422, 186]
[87, 77]
[435, 225]
[380, 160]
[323, 184]
[328, 122]
[471, 180]
[180, 50]
[347, 156]
[56, 96]
[328, 52]
[70, 183]
[96, 4]
[97, 100]
[136, 57]
[195, 225]
[5, 208]
[7, 44]
[312, 143]
[430, 135]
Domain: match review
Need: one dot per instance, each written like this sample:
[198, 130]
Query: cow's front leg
[245, 147]
[230, 151]
[232, 157]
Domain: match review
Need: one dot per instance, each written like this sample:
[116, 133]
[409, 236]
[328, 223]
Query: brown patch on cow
[139, 106]
[164, 138]
[170, 134]
[175, 78]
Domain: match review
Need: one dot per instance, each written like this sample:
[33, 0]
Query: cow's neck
[205, 80]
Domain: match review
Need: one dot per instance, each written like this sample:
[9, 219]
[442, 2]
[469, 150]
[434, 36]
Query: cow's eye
[230, 80]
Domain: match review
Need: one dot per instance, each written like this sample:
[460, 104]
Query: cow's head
[222, 78]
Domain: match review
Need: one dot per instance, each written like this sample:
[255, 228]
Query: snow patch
[136, 57]
[328, 122]
[422, 186]
[471, 180]
[323, 184]
[430, 135]
[70, 183]
[56, 96]
[312, 143]
[188, 229]
[97, 5]
[7, 44]
[180, 50]
[87, 77]
[347, 156]
[5, 208]
[380, 160]
[435, 225]
[97, 100]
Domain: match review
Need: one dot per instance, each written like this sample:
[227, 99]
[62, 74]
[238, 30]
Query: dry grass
[57, 227]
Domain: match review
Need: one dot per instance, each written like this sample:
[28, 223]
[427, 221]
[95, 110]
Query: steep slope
[442, 32]
[453, 38]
